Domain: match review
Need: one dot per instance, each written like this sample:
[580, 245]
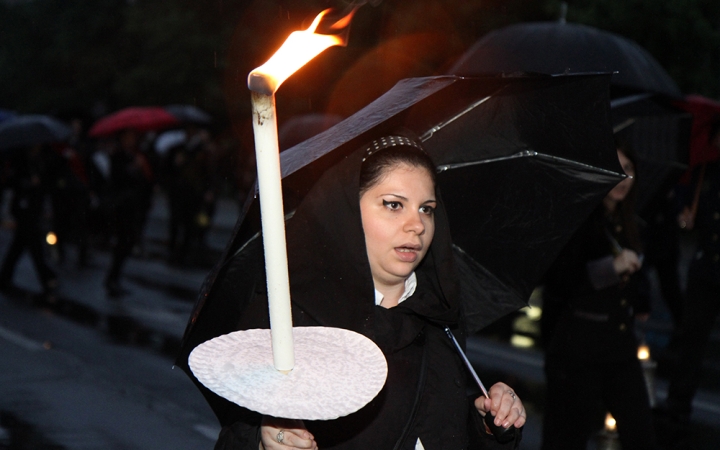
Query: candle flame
[297, 50]
[610, 423]
[643, 353]
[51, 238]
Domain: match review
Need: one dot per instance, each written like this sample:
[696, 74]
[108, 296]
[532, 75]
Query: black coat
[591, 324]
[331, 285]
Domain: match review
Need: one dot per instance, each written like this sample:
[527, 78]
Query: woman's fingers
[505, 405]
[284, 434]
[284, 439]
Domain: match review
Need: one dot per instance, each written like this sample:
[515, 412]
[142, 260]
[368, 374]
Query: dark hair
[379, 160]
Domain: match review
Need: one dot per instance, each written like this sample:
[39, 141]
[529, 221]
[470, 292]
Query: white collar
[410, 285]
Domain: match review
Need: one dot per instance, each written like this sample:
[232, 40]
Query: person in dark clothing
[130, 176]
[191, 195]
[97, 168]
[70, 198]
[591, 362]
[29, 182]
[702, 304]
[369, 250]
[661, 238]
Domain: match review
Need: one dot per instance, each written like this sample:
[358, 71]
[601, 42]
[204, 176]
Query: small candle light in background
[51, 238]
[607, 438]
[520, 341]
[610, 423]
[299, 48]
[649, 366]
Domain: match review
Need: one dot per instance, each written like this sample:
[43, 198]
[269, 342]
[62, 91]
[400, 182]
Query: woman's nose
[415, 223]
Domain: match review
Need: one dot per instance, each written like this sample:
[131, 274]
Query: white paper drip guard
[336, 372]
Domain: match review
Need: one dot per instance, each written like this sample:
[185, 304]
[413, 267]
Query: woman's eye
[392, 205]
[429, 210]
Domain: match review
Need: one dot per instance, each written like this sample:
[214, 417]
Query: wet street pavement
[89, 371]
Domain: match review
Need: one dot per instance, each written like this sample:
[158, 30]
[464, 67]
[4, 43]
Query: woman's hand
[284, 434]
[504, 404]
[627, 262]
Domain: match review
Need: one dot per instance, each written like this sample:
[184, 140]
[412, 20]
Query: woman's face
[399, 223]
[620, 191]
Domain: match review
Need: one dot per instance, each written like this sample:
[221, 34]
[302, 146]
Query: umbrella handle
[502, 434]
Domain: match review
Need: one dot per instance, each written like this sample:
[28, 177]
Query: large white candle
[299, 48]
[267, 153]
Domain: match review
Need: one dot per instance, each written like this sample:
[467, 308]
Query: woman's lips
[407, 254]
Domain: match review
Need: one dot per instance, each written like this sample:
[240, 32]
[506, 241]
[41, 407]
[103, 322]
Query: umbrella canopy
[557, 47]
[189, 114]
[168, 140]
[32, 129]
[659, 134]
[302, 127]
[142, 118]
[641, 89]
[705, 119]
[522, 162]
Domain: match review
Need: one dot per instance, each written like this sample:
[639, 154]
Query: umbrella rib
[629, 99]
[525, 154]
[288, 216]
[471, 261]
[429, 133]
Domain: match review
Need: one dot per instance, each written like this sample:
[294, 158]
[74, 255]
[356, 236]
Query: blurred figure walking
[191, 193]
[661, 237]
[70, 197]
[29, 183]
[702, 304]
[129, 178]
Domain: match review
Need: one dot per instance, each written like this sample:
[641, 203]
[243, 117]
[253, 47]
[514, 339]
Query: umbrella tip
[562, 18]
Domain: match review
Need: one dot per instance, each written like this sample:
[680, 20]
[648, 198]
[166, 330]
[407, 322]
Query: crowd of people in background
[96, 193]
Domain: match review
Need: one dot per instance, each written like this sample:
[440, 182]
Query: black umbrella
[189, 114]
[641, 89]
[558, 47]
[522, 162]
[32, 129]
[659, 135]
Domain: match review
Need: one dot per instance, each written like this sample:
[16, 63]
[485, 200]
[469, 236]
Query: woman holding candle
[369, 250]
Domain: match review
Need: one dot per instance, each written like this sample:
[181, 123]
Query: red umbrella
[142, 118]
[706, 114]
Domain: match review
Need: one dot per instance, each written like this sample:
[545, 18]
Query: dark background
[92, 57]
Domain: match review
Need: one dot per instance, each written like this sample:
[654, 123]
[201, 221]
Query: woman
[369, 250]
[591, 360]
